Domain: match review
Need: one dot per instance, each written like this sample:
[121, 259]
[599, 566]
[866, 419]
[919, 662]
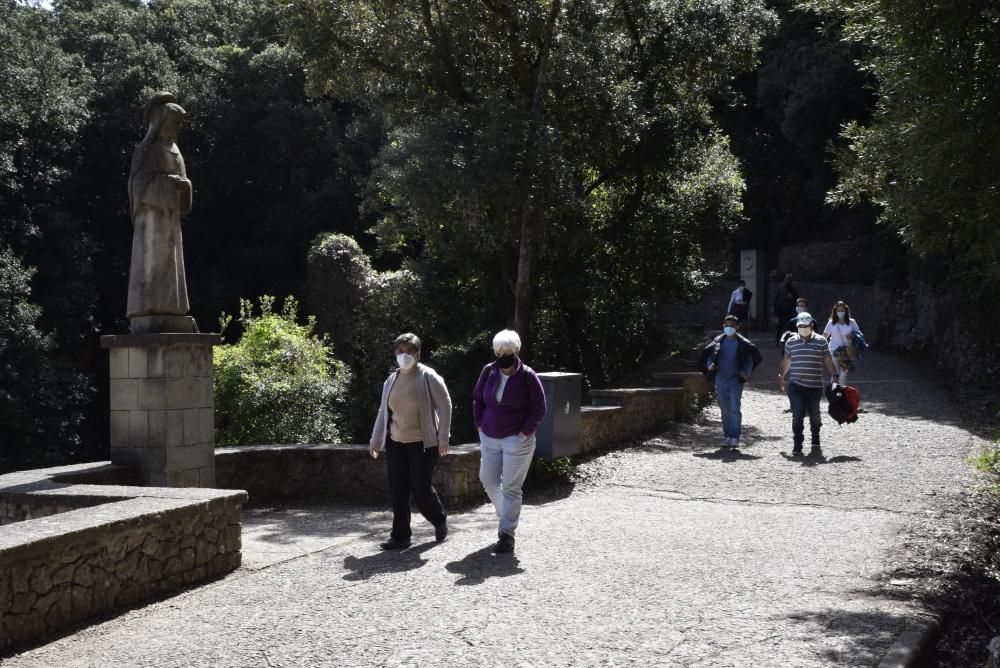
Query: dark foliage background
[452, 168]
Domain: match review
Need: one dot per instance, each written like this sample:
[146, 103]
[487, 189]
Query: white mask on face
[805, 331]
[841, 314]
[800, 309]
[728, 331]
[405, 360]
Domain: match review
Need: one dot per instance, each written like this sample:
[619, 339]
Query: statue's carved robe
[156, 284]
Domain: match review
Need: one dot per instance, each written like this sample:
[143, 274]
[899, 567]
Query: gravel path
[670, 553]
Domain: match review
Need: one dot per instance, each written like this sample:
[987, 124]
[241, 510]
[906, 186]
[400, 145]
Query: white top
[735, 298]
[502, 384]
[839, 334]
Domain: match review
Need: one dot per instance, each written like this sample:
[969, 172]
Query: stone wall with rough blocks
[643, 409]
[282, 473]
[345, 472]
[92, 549]
[162, 407]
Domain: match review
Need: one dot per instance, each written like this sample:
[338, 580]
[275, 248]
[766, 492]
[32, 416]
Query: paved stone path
[671, 553]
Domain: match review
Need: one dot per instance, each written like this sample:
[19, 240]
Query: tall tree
[517, 126]
[43, 94]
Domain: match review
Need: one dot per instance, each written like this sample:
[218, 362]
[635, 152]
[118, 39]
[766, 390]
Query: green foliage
[987, 464]
[785, 119]
[542, 153]
[552, 470]
[40, 399]
[280, 383]
[930, 157]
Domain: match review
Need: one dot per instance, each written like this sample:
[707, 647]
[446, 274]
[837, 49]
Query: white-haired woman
[413, 426]
[508, 404]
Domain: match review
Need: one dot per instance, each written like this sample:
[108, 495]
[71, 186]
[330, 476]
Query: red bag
[844, 401]
[854, 401]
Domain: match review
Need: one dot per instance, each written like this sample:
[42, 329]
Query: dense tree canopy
[459, 166]
[930, 157]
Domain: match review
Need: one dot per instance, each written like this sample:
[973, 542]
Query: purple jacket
[521, 407]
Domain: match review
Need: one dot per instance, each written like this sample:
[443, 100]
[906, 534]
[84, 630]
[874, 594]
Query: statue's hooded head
[171, 118]
[163, 117]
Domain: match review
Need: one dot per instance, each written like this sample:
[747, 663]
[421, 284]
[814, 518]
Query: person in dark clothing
[801, 306]
[729, 360]
[784, 305]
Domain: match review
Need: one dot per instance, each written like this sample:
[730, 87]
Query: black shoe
[505, 544]
[797, 451]
[395, 544]
[441, 531]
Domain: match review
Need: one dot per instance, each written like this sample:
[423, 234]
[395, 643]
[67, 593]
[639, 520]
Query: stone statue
[158, 192]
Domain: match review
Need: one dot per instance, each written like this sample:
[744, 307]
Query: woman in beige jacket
[413, 427]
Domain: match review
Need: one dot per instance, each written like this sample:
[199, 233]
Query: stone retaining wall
[346, 472]
[339, 471]
[92, 549]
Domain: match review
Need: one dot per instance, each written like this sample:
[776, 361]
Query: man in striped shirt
[806, 354]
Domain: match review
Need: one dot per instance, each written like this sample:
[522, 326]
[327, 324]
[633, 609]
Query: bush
[987, 465]
[280, 383]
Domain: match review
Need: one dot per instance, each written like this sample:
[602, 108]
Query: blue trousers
[730, 394]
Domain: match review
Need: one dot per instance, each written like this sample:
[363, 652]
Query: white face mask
[405, 360]
[841, 314]
[729, 331]
[800, 309]
[804, 332]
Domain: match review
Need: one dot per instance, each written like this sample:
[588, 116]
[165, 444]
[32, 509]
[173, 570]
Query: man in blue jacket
[730, 359]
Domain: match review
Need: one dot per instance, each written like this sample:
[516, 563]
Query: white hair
[506, 340]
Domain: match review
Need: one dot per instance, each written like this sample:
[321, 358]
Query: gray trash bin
[559, 433]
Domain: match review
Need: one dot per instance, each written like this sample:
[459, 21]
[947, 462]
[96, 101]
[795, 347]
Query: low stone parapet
[346, 472]
[692, 381]
[71, 551]
[338, 471]
[643, 410]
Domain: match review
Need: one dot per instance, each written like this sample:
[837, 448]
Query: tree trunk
[523, 302]
[575, 319]
[530, 222]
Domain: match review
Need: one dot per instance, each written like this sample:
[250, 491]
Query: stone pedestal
[162, 407]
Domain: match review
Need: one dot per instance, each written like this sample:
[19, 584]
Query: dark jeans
[804, 399]
[411, 467]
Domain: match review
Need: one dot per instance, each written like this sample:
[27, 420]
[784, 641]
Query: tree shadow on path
[390, 561]
[852, 637]
[815, 457]
[477, 566]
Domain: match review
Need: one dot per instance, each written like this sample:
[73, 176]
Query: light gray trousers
[504, 463]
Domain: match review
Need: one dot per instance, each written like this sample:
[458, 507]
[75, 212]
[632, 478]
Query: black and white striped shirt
[807, 359]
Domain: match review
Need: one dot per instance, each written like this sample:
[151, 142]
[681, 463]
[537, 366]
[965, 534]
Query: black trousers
[411, 468]
[783, 319]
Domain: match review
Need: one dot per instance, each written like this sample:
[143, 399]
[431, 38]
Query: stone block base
[162, 407]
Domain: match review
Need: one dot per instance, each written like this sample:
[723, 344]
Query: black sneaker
[797, 451]
[441, 531]
[395, 544]
[505, 544]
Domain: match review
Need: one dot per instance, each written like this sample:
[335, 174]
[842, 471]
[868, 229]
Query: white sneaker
[729, 442]
[735, 443]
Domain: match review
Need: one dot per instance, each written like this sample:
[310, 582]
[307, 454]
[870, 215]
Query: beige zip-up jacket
[435, 409]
